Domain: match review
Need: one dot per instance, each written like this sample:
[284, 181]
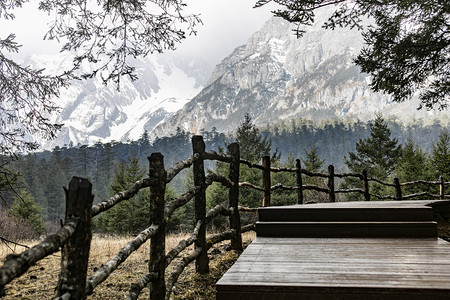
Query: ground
[40, 280]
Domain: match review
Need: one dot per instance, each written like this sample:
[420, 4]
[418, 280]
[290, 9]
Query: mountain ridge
[276, 76]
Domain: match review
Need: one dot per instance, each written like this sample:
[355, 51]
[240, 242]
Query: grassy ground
[40, 280]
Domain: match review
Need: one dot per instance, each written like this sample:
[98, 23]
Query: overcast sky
[226, 25]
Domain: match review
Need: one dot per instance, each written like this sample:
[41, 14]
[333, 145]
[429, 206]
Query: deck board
[289, 265]
[369, 265]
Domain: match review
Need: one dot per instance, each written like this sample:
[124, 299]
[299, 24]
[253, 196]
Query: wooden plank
[311, 213]
[347, 229]
[377, 267]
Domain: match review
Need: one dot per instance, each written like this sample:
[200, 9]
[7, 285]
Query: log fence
[75, 235]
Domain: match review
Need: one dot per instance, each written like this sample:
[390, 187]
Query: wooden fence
[75, 235]
[330, 189]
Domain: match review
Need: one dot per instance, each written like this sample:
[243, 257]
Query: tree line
[112, 167]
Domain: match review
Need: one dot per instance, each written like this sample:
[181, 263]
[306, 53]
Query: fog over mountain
[93, 112]
[275, 76]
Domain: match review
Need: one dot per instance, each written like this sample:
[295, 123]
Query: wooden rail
[75, 236]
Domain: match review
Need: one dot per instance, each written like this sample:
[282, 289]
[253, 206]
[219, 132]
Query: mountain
[277, 76]
[274, 77]
[91, 111]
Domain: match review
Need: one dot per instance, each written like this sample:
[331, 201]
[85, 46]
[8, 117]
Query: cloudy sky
[226, 25]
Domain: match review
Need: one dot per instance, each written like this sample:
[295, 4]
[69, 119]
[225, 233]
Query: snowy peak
[277, 76]
[93, 112]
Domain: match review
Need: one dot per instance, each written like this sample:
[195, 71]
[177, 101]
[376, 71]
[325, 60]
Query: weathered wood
[442, 187]
[330, 184]
[17, 264]
[106, 269]
[279, 268]
[202, 261]
[266, 181]
[248, 184]
[214, 177]
[279, 186]
[158, 242]
[226, 235]
[179, 268]
[183, 244]
[137, 287]
[381, 182]
[180, 166]
[219, 209]
[233, 196]
[314, 174]
[252, 165]
[125, 195]
[171, 206]
[75, 252]
[299, 181]
[366, 186]
[398, 189]
[315, 188]
[248, 209]
[343, 268]
[213, 155]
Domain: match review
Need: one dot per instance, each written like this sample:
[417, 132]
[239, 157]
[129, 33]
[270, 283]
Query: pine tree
[314, 163]
[25, 208]
[441, 156]
[253, 146]
[413, 165]
[130, 216]
[378, 155]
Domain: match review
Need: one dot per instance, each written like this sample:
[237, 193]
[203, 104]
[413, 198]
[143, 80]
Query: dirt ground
[40, 280]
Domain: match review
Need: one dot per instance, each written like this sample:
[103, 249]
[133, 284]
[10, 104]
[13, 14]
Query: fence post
[298, 173]
[331, 183]
[202, 262]
[158, 241]
[75, 252]
[398, 189]
[233, 196]
[366, 186]
[442, 187]
[266, 181]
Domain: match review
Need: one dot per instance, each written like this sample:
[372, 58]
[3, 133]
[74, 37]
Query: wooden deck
[338, 262]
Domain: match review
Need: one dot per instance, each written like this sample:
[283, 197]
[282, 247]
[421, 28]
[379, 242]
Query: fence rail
[75, 236]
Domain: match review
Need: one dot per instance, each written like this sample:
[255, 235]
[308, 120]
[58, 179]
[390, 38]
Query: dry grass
[40, 280]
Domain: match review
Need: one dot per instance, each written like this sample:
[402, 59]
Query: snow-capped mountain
[277, 76]
[274, 77]
[94, 112]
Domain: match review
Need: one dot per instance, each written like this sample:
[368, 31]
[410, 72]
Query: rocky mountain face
[277, 76]
[274, 77]
[92, 112]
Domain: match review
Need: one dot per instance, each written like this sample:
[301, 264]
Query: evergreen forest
[414, 152]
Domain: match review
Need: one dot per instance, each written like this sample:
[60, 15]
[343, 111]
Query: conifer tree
[314, 163]
[378, 155]
[413, 165]
[253, 146]
[129, 216]
[26, 209]
[441, 156]
[407, 42]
